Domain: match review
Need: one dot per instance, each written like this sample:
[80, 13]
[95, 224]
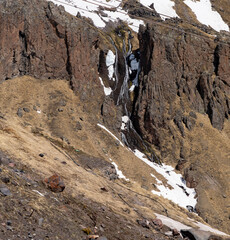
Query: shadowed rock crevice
[216, 61]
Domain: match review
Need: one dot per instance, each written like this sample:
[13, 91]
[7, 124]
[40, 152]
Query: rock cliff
[179, 70]
[179, 109]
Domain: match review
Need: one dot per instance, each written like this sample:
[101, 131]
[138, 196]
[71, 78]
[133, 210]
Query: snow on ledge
[205, 14]
[108, 90]
[119, 172]
[103, 127]
[90, 9]
[110, 60]
[124, 120]
[179, 226]
[179, 193]
[165, 7]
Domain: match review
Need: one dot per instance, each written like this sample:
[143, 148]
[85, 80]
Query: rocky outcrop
[180, 70]
[40, 39]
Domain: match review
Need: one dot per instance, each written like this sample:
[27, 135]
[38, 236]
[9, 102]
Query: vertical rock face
[40, 39]
[180, 70]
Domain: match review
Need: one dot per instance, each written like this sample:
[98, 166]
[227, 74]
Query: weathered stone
[190, 178]
[26, 109]
[55, 183]
[20, 112]
[78, 126]
[189, 122]
[144, 223]
[195, 234]
[176, 73]
[175, 232]
[5, 179]
[56, 54]
[157, 223]
[180, 164]
[4, 190]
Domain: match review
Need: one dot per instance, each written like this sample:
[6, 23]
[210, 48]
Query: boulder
[55, 183]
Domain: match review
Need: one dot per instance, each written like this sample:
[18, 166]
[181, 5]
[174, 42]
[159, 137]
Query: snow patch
[204, 227]
[90, 10]
[169, 222]
[110, 60]
[205, 14]
[179, 226]
[132, 88]
[178, 192]
[119, 172]
[124, 120]
[165, 7]
[108, 90]
[103, 127]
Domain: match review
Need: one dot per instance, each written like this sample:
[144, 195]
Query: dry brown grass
[35, 132]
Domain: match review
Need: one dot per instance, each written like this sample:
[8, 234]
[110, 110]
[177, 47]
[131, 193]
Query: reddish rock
[157, 223]
[55, 183]
[11, 165]
[175, 232]
[190, 178]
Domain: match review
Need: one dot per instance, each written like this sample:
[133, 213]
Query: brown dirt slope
[53, 132]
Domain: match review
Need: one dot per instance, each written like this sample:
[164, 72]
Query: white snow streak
[180, 193]
[132, 88]
[204, 227]
[171, 223]
[119, 172]
[110, 60]
[89, 9]
[179, 226]
[103, 127]
[108, 90]
[38, 193]
[205, 14]
[162, 6]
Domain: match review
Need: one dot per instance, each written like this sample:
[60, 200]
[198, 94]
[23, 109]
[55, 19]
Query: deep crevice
[68, 62]
[216, 60]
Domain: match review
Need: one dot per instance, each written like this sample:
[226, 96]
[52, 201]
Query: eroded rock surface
[180, 71]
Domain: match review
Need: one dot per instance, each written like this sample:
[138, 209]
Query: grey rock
[1, 115]
[20, 112]
[4, 190]
[5, 179]
[78, 126]
[102, 238]
[26, 109]
[193, 114]
[195, 234]
[144, 223]
[189, 122]
[62, 103]
[40, 221]
[178, 122]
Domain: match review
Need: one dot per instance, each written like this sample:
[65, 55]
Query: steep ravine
[183, 82]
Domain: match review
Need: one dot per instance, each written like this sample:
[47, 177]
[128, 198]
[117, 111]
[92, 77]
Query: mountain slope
[164, 92]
